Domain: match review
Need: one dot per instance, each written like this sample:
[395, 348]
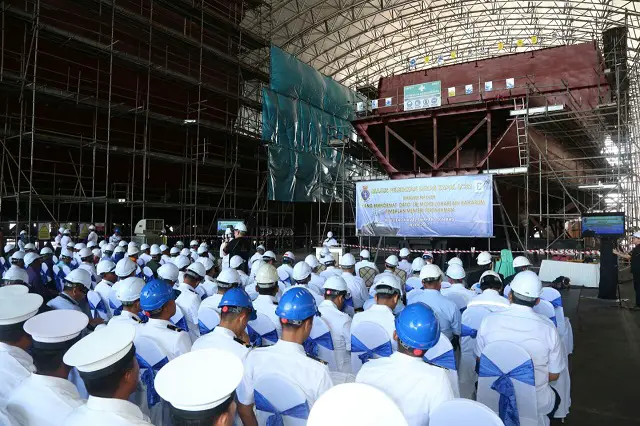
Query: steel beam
[462, 142]
[388, 130]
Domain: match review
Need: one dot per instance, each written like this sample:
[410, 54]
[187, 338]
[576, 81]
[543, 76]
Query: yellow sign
[43, 231]
[427, 59]
[520, 43]
[84, 231]
[454, 54]
[500, 45]
[451, 91]
[534, 39]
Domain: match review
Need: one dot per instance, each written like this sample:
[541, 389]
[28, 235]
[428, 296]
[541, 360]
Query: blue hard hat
[155, 295]
[239, 298]
[117, 230]
[297, 304]
[417, 327]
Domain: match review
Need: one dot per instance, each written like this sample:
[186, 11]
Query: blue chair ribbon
[557, 302]
[446, 360]
[143, 317]
[508, 409]
[182, 323]
[117, 310]
[467, 331]
[203, 328]
[349, 302]
[311, 345]
[554, 320]
[97, 308]
[463, 309]
[384, 350]
[148, 375]
[300, 411]
[256, 338]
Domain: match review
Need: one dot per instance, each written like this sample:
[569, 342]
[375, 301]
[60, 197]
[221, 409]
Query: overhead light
[189, 121]
[537, 110]
[599, 186]
[506, 171]
[122, 200]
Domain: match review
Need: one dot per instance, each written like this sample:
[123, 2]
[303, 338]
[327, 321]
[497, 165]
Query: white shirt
[537, 335]
[165, 259]
[330, 271]
[284, 271]
[107, 412]
[208, 286]
[380, 314]
[446, 311]
[64, 302]
[415, 386]
[256, 256]
[64, 241]
[126, 317]
[212, 302]
[91, 270]
[189, 302]
[490, 298]
[289, 360]
[103, 288]
[330, 242]
[43, 401]
[171, 339]
[115, 239]
[357, 289]
[340, 326]
[266, 305]
[317, 282]
[145, 258]
[92, 237]
[414, 282]
[459, 295]
[365, 263]
[15, 366]
[405, 265]
[244, 277]
[222, 338]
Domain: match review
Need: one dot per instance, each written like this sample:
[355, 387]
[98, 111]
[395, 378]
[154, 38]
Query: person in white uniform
[286, 270]
[16, 307]
[428, 257]
[257, 255]
[457, 293]
[156, 300]
[520, 264]
[302, 278]
[405, 263]
[129, 295]
[287, 357]
[66, 238]
[388, 292]
[391, 265]
[416, 386]
[201, 396]
[357, 287]
[237, 263]
[209, 283]
[446, 311]
[536, 334]
[267, 288]
[108, 366]
[74, 295]
[93, 236]
[165, 254]
[269, 257]
[86, 263]
[330, 241]
[226, 280]
[115, 238]
[236, 311]
[414, 282]
[125, 268]
[365, 257]
[189, 300]
[330, 267]
[316, 281]
[46, 397]
[335, 294]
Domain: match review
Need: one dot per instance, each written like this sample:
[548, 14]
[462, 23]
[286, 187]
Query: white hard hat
[144, 246]
[521, 261]
[430, 272]
[132, 243]
[417, 264]
[312, 261]
[269, 255]
[108, 247]
[388, 280]
[324, 251]
[193, 243]
[365, 254]
[92, 228]
[347, 260]
[196, 270]
[185, 252]
[29, 246]
[267, 276]
[527, 284]
[122, 243]
[79, 277]
[97, 252]
[125, 267]
[155, 250]
[64, 253]
[335, 282]
[301, 271]
[102, 243]
[207, 263]
[492, 273]
[15, 273]
[163, 247]
[229, 277]
[9, 247]
[179, 244]
[120, 249]
[18, 255]
[91, 244]
[85, 252]
[204, 244]
[79, 246]
[202, 250]
[392, 260]
[636, 235]
[236, 261]
[289, 255]
[168, 271]
[174, 250]
[404, 252]
[329, 234]
[484, 258]
[261, 247]
[66, 232]
[327, 259]
[133, 250]
[60, 230]
[455, 272]
[129, 289]
[71, 245]
[455, 261]
[45, 250]
[105, 266]
[427, 254]
[241, 227]
[181, 261]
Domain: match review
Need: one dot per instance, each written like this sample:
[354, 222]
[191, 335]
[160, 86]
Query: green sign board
[423, 95]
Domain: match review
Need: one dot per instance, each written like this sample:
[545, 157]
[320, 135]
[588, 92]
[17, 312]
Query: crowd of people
[106, 332]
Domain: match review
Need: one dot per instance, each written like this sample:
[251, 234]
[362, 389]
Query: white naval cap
[57, 326]
[14, 310]
[187, 386]
[101, 349]
[351, 404]
[13, 290]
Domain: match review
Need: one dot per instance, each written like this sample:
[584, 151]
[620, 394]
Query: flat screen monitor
[609, 224]
[223, 224]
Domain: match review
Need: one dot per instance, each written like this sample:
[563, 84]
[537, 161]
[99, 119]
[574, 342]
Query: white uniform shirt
[212, 302]
[208, 286]
[256, 256]
[340, 326]
[64, 302]
[64, 241]
[414, 282]
[357, 289]
[288, 270]
[189, 302]
[103, 288]
[460, 295]
[107, 412]
[43, 401]
[330, 271]
[244, 277]
[91, 270]
[165, 259]
[415, 386]
[446, 311]
[289, 360]
[92, 237]
[405, 265]
[266, 305]
[115, 239]
[489, 298]
[15, 366]
[126, 317]
[317, 282]
[330, 242]
[171, 339]
[366, 263]
[145, 258]
[57, 240]
[380, 314]
[222, 338]
[537, 335]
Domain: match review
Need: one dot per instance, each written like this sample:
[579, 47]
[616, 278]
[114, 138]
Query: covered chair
[506, 384]
[279, 401]
[319, 344]
[463, 412]
[443, 356]
[151, 358]
[262, 331]
[545, 309]
[553, 296]
[179, 320]
[471, 319]
[369, 340]
[115, 306]
[367, 274]
[96, 304]
[208, 319]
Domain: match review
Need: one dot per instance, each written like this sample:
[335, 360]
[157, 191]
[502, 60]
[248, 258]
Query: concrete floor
[605, 365]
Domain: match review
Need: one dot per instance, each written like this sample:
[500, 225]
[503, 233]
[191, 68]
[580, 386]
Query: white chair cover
[285, 278]
[98, 309]
[208, 319]
[471, 319]
[545, 309]
[278, 401]
[115, 306]
[179, 320]
[443, 356]
[319, 344]
[368, 341]
[553, 296]
[509, 366]
[463, 412]
[151, 358]
[262, 331]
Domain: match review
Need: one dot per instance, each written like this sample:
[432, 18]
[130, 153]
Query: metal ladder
[521, 133]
